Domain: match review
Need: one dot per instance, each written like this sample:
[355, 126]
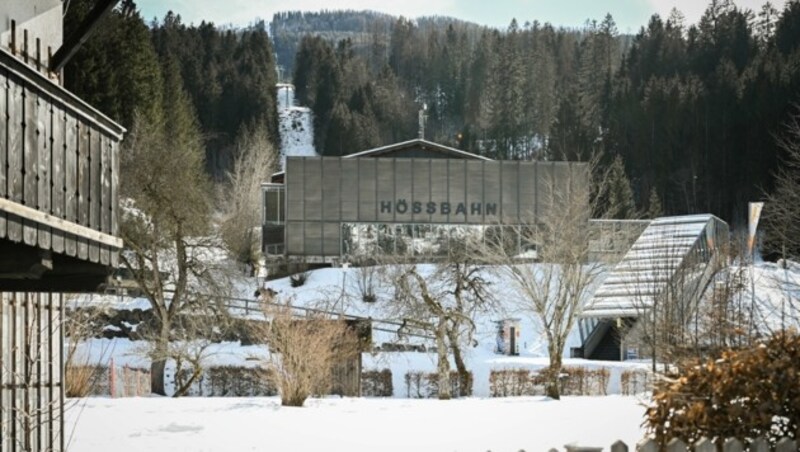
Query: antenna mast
[423, 116]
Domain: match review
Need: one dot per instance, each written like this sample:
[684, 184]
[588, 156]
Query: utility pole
[423, 116]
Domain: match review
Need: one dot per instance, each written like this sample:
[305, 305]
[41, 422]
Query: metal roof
[417, 142]
[647, 267]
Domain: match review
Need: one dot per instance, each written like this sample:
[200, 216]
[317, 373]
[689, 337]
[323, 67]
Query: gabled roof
[392, 150]
[417, 143]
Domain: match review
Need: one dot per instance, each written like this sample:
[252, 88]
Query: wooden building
[59, 231]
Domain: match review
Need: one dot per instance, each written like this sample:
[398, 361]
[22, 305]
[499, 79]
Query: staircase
[605, 345]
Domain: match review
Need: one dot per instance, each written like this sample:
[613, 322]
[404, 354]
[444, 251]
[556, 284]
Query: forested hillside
[692, 109]
[229, 75]
[368, 32]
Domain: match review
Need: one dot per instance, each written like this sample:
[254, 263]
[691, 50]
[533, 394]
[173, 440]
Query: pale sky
[629, 15]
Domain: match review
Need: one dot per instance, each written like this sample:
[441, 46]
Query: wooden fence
[31, 374]
[703, 445]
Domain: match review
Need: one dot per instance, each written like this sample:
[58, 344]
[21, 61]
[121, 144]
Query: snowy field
[479, 423]
[156, 424]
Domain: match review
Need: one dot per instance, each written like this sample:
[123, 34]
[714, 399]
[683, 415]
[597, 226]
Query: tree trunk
[464, 378]
[184, 389]
[552, 383]
[443, 367]
[157, 376]
[159, 362]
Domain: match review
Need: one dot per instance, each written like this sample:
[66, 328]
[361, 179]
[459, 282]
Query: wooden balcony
[59, 174]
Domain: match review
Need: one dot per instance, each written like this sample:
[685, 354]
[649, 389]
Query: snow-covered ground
[774, 289]
[323, 290]
[477, 423]
[156, 424]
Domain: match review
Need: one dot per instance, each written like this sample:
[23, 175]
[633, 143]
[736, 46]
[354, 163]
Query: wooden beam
[56, 284]
[45, 219]
[81, 34]
[28, 269]
[29, 263]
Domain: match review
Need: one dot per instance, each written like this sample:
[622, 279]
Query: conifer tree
[619, 196]
[654, 209]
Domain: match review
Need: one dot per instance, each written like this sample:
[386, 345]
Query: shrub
[303, 352]
[236, 381]
[298, 279]
[81, 379]
[577, 381]
[636, 382]
[745, 394]
[511, 383]
[377, 383]
[581, 381]
[420, 385]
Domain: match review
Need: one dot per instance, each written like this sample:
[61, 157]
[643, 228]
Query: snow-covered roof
[648, 266]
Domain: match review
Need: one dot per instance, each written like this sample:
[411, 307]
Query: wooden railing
[59, 168]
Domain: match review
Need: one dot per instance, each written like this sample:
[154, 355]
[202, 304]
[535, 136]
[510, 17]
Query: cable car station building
[422, 200]
[415, 198]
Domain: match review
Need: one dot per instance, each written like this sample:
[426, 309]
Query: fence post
[619, 446]
[786, 445]
[732, 445]
[125, 381]
[759, 445]
[647, 445]
[704, 445]
[112, 378]
[676, 445]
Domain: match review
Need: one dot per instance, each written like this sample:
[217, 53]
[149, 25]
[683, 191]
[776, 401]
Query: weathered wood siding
[60, 157]
[31, 372]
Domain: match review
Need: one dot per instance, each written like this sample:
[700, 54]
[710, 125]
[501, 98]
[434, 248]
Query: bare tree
[192, 336]
[166, 222]
[303, 351]
[555, 289]
[81, 366]
[782, 208]
[444, 303]
[256, 160]
[723, 317]
[782, 213]
[366, 278]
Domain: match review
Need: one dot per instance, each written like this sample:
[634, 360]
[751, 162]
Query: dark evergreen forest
[693, 110]
[228, 74]
[690, 111]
